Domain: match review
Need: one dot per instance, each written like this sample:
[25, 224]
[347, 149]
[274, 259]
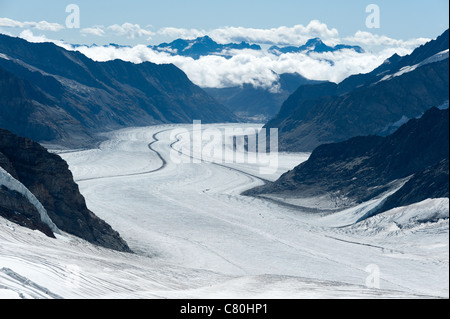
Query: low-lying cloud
[259, 68]
[370, 39]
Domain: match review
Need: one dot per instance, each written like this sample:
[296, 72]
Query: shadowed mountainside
[62, 96]
[402, 88]
[49, 179]
[363, 168]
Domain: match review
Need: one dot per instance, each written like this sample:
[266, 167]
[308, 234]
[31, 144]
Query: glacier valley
[195, 236]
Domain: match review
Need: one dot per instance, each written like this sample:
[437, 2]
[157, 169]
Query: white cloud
[131, 31]
[128, 30]
[97, 31]
[295, 35]
[370, 39]
[41, 25]
[31, 37]
[187, 34]
[248, 66]
[46, 26]
[252, 66]
[6, 22]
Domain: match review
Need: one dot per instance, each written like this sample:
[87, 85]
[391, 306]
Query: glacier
[195, 236]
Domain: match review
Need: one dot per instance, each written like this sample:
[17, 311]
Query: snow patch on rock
[11, 183]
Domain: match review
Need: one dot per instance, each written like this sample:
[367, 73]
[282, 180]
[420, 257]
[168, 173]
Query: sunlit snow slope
[195, 236]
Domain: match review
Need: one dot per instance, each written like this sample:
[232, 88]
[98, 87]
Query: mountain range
[315, 45]
[376, 103]
[202, 46]
[57, 96]
[248, 102]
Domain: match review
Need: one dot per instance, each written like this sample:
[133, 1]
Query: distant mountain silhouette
[314, 45]
[201, 46]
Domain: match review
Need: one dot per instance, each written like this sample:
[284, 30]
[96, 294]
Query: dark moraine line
[164, 164]
[217, 164]
[150, 147]
[266, 181]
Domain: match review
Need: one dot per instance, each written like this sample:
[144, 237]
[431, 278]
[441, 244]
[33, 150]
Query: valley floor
[195, 236]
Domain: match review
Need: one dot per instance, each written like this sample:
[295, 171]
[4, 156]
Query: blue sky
[404, 25]
[400, 19]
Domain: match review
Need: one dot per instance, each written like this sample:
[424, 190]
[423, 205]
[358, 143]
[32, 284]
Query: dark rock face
[48, 177]
[51, 94]
[364, 104]
[16, 208]
[7, 166]
[363, 167]
[429, 183]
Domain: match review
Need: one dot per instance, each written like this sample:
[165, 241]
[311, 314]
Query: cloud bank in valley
[259, 68]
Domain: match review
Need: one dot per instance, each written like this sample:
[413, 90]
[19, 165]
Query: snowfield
[195, 236]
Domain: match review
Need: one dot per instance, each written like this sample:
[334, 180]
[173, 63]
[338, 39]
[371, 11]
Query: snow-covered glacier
[195, 236]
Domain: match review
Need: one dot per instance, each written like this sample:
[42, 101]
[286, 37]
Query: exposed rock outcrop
[362, 168]
[366, 104]
[48, 177]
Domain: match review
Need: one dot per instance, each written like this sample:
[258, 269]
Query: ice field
[195, 236]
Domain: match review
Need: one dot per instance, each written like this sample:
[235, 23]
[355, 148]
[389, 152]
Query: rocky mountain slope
[28, 111]
[362, 168]
[49, 179]
[400, 89]
[17, 207]
[59, 95]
